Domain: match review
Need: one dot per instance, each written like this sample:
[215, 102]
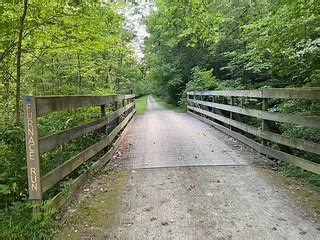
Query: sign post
[32, 149]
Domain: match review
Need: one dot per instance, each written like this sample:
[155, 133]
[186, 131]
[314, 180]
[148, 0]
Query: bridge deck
[190, 181]
[163, 138]
[203, 184]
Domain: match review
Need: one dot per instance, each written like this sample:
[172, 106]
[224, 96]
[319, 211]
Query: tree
[248, 44]
[70, 47]
[19, 53]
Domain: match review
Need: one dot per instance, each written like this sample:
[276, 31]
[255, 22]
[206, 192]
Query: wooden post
[103, 113]
[134, 102]
[231, 113]
[201, 107]
[103, 110]
[32, 149]
[213, 100]
[265, 107]
[123, 103]
[187, 103]
[115, 107]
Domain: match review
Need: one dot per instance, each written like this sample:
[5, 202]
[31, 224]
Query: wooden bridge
[121, 108]
[177, 145]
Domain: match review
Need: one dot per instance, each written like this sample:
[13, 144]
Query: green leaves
[201, 80]
[195, 21]
[4, 189]
[249, 44]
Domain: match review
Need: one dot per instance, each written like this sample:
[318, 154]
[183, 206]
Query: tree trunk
[6, 94]
[93, 82]
[108, 83]
[18, 63]
[79, 70]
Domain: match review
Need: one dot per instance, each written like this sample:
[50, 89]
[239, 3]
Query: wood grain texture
[47, 104]
[308, 121]
[49, 142]
[60, 172]
[284, 93]
[32, 149]
[60, 199]
[297, 161]
[288, 141]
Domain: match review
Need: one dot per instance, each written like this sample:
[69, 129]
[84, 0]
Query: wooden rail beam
[308, 121]
[36, 106]
[281, 93]
[60, 199]
[47, 104]
[49, 142]
[60, 172]
[297, 161]
[288, 141]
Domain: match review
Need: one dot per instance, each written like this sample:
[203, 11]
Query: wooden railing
[123, 110]
[205, 105]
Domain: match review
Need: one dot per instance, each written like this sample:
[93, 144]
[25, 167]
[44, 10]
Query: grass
[298, 173]
[98, 211]
[141, 104]
[169, 106]
[305, 193]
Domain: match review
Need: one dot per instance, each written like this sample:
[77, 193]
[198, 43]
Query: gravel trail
[190, 181]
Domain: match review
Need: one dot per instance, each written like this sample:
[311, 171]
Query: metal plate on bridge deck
[162, 138]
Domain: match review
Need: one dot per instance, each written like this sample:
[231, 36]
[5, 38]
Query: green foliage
[248, 44]
[67, 49]
[18, 222]
[201, 80]
[296, 172]
[12, 165]
[178, 43]
[141, 104]
[170, 106]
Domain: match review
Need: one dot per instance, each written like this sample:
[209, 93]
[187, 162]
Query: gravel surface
[175, 177]
[190, 181]
[163, 138]
[209, 203]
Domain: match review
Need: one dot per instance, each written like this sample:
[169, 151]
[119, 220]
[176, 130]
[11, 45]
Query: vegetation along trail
[187, 180]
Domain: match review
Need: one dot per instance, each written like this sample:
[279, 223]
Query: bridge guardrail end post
[32, 150]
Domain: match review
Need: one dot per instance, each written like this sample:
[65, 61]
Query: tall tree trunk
[93, 82]
[119, 77]
[6, 94]
[18, 63]
[79, 70]
[108, 83]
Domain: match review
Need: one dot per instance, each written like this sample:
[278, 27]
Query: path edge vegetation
[141, 104]
[96, 211]
[170, 106]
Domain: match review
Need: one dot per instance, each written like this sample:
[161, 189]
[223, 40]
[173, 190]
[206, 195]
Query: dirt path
[187, 180]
